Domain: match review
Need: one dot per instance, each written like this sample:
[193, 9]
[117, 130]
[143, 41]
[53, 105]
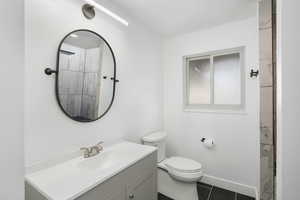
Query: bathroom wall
[137, 108]
[288, 96]
[12, 100]
[235, 157]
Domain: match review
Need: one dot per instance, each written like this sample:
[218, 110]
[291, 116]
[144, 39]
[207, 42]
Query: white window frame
[211, 107]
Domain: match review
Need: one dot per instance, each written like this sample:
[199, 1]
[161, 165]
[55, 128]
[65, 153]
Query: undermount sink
[79, 175]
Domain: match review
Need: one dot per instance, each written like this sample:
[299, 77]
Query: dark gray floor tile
[163, 197]
[221, 194]
[203, 190]
[243, 197]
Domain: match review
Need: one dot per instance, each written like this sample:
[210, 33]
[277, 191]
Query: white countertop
[72, 178]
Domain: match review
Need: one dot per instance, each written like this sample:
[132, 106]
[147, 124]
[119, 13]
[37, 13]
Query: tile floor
[208, 192]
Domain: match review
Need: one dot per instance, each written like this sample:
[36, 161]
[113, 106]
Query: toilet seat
[182, 169]
[184, 165]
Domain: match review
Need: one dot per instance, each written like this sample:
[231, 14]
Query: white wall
[137, 108]
[12, 100]
[236, 154]
[288, 95]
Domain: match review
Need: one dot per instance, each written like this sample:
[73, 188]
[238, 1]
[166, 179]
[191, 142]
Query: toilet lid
[183, 165]
[155, 137]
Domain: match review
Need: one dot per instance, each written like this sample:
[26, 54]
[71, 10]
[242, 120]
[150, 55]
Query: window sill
[216, 111]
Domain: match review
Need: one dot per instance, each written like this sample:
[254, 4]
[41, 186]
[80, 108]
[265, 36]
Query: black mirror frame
[57, 72]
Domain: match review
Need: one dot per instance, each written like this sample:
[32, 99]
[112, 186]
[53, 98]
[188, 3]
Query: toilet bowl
[177, 176]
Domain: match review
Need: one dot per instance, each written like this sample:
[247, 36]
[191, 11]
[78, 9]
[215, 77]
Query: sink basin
[102, 161]
[72, 178]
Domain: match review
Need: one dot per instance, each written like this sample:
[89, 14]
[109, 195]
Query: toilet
[177, 176]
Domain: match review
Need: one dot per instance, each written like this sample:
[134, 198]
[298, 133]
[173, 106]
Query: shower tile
[267, 183]
[267, 189]
[267, 172]
[63, 98]
[74, 82]
[267, 153]
[76, 61]
[63, 82]
[266, 109]
[265, 41]
[70, 82]
[267, 195]
[92, 61]
[73, 105]
[265, 13]
[266, 72]
[266, 135]
[88, 109]
[63, 62]
[91, 84]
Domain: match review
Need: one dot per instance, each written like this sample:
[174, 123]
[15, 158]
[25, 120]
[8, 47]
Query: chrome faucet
[92, 151]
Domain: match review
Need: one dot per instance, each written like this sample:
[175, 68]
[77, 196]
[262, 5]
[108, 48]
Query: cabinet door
[118, 196]
[99, 195]
[112, 189]
[145, 190]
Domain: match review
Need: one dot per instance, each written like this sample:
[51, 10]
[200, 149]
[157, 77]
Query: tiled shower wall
[267, 100]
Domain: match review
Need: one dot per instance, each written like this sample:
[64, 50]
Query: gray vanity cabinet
[138, 182]
[141, 180]
[118, 196]
[143, 191]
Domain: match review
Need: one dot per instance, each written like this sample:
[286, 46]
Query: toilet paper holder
[208, 142]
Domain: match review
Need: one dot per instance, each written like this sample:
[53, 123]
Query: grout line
[266, 86]
[208, 198]
[235, 196]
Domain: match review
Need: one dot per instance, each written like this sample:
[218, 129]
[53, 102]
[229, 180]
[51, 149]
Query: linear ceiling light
[106, 11]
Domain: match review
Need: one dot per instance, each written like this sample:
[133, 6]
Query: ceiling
[171, 17]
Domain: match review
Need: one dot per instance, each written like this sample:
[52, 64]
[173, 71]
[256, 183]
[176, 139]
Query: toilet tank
[157, 139]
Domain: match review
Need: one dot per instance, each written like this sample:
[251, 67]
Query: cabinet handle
[131, 196]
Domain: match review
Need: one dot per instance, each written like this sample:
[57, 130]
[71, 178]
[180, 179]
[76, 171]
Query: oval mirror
[85, 84]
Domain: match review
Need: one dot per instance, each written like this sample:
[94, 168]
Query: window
[215, 80]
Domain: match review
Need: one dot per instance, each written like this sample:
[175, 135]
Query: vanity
[122, 171]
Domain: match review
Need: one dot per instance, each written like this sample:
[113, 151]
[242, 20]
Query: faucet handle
[85, 149]
[100, 147]
[99, 144]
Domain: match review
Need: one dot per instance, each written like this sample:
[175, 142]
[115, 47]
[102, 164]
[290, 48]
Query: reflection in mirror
[85, 85]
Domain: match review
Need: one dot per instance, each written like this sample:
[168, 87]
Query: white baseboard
[230, 185]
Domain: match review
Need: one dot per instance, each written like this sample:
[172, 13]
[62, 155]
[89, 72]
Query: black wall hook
[113, 79]
[254, 73]
[50, 71]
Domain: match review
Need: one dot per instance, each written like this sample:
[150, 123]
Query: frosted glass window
[215, 80]
[199, 81]
[227, 79]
